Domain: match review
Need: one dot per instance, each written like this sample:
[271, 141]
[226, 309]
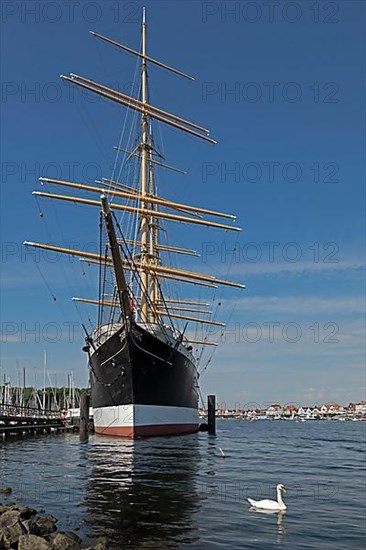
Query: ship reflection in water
[143, 493]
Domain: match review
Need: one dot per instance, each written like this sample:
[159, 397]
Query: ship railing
[102, 333]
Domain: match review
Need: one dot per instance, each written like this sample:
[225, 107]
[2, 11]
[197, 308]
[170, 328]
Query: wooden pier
[16, 420]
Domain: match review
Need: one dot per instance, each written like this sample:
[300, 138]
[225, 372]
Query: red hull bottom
[133, 432]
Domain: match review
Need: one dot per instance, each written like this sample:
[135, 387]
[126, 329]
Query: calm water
[180, 493]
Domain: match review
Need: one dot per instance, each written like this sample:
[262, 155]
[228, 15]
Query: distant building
[360, 408]
[311, 413]
[290, 410]
[332, 409]
[274, 411]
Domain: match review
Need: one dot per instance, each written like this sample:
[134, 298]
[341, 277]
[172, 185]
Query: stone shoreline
[24, 528]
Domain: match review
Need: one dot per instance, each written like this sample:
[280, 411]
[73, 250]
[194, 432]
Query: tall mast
[154, 235]
[144, 178]
[147, 206]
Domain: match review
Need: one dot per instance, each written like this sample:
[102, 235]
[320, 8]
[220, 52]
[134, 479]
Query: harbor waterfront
[328, 411]
[179, 492]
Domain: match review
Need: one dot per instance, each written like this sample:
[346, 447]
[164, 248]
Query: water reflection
[281, 526]
[143, 494]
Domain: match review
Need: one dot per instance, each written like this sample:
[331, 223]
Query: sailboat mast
[144, 182]
[44, 379]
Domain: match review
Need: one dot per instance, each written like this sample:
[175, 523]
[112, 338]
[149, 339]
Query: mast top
[144, 16]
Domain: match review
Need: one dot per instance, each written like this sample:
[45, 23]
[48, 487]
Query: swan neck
[279, 498]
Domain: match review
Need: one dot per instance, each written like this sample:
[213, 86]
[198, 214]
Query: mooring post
[211, 414]
[84, 415]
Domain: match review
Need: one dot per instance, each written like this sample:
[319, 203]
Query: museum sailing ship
[143, 370]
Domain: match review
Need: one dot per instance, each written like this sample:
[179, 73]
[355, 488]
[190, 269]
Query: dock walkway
[16, 420]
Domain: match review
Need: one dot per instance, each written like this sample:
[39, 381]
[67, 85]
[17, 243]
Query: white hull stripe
[143, 415]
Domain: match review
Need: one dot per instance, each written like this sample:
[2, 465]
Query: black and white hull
[144, 383]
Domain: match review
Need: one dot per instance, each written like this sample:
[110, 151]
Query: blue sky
[283, 93]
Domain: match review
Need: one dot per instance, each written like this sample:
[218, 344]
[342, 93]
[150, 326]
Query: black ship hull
[143, 385]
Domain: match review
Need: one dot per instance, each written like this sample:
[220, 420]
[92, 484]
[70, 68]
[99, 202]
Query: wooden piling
[211, 414]
[84, 415]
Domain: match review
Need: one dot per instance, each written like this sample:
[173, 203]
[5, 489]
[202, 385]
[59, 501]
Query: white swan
[267, 504]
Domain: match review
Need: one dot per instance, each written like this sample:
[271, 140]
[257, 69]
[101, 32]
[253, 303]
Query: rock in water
[66, 541]
[5, 490]
[101, 544]
[8, 518]
[25, 511]
[32, 542]
[11, 528]
[43, 526]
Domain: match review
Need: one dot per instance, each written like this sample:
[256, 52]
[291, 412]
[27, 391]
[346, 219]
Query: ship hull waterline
[142, 386]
